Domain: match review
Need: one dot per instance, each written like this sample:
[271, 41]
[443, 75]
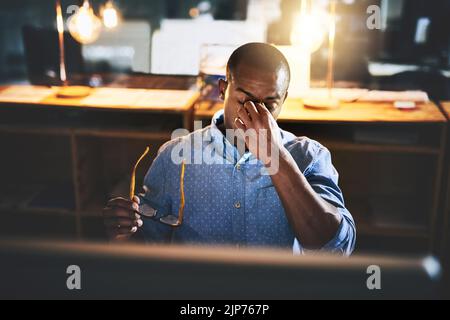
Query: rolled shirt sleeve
[323, 178]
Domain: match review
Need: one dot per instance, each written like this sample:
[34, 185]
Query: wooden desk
[67, 156]
[182, 106]
[390, 164]
[446, 106]
[294, 111]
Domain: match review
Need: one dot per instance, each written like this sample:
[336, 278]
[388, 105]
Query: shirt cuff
[343, 241]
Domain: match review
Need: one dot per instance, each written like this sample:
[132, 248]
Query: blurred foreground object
[38, 270]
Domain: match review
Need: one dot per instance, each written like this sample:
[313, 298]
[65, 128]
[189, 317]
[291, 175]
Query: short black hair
[259, 55]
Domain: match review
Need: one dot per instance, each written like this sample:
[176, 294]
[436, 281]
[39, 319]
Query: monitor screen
[417, 31]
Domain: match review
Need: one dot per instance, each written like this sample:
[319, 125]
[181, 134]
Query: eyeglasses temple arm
[133, 174]
[182, 199]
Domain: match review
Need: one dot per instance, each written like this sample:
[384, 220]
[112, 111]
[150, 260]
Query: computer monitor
[217, 9]
[42, 55]
[417, 32]
[39, 270]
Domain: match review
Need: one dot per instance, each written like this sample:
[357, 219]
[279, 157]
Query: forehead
[259, 82]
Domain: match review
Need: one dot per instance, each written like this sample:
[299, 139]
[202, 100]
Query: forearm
[314, 220]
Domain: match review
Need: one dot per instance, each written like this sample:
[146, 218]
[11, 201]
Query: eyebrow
[251, 96]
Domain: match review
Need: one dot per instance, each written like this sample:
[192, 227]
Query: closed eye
[271, 106]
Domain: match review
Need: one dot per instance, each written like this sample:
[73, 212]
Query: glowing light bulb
[110, 16]
[84, 25]
[309, 30]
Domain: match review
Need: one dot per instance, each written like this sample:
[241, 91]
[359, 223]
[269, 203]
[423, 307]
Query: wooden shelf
[36, 224]
[365, 229]
[93, 132]
[35, 130]
[336, 145]
[123, 133]
[28, 199]
[92, 209]
[45, 211]
[390, 216]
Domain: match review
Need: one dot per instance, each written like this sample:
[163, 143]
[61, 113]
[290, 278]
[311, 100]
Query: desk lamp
[85, 27]
[308, 33]
[328, 102]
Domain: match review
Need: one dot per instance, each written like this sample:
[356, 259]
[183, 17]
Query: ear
[286, 96]
[223, 85]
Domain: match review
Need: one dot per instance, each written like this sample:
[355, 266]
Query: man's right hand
[122, 218]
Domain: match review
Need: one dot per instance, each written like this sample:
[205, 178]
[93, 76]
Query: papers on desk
[393, 96]
[139, 98]
[25, 94]
[344, 95]
[112, 97]
[365, 95]
[104, 97]
[166, 98]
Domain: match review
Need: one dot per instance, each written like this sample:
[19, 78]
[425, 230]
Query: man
[284, 196]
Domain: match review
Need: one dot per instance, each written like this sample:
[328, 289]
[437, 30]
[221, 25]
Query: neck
[233, 141]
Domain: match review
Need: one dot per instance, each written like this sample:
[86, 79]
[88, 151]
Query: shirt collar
[222, 145]
[217, 120]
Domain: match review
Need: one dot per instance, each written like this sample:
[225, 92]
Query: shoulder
[305, 151]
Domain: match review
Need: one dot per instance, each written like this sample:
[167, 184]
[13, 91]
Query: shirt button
[238, 166]
[237, 205]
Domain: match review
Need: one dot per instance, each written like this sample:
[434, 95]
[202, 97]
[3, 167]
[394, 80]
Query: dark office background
[355, 45]
[15, 14]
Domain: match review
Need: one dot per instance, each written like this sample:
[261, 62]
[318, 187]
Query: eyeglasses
[170, 219]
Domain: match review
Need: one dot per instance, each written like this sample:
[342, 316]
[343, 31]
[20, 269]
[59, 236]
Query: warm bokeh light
[194, 13]
[110, 16]
[84, 25]
[309, 30]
